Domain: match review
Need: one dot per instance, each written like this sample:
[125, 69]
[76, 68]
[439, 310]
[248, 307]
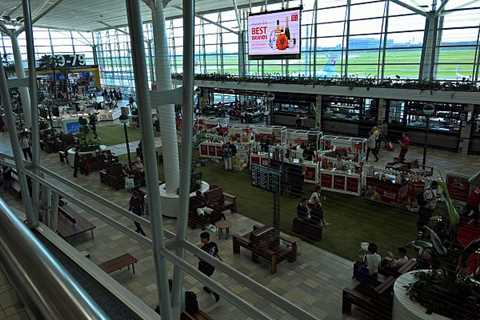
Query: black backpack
[191, 302]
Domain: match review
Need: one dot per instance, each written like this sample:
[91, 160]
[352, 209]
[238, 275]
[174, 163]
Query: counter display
[393, 187]
[212, 150]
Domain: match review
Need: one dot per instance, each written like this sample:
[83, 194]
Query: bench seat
[118, 263]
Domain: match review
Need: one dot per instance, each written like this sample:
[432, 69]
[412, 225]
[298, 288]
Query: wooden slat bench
[375, 301]
[260, 241]
[71, 224]
[221, 201]
[118, 263]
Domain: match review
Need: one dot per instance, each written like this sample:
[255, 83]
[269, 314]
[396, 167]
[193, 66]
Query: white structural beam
[86, 40]
[209, 21]
[409, 7]
[237, 15]
[466, 4]
[41, 14]
[4, 29]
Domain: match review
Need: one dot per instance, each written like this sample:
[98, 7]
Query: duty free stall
[394, 187]
[341, 164]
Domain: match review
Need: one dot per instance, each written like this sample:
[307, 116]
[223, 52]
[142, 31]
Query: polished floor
[11, 308]
[314, 282]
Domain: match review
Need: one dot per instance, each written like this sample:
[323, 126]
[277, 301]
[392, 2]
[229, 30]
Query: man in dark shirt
[137, 206]
[211, 248]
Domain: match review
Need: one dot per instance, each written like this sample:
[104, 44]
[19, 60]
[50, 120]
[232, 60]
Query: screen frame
[277, 56]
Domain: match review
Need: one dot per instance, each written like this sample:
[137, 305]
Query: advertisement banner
[274, 35]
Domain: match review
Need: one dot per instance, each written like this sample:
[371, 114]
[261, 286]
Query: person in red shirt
[404, 144]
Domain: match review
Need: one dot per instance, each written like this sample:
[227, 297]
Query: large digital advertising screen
[274, 34]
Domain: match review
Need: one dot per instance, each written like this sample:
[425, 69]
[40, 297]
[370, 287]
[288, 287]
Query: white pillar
[20, 72]
[166, 113]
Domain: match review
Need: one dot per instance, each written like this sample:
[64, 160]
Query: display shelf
[212, 150]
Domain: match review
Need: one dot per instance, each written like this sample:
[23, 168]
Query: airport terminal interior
[240, 159]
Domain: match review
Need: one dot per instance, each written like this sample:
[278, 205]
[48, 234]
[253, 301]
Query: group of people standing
[377, 136]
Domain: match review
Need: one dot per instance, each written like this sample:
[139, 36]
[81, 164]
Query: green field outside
[453, 63]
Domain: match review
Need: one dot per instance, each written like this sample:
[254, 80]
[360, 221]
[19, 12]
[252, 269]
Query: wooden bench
[262, 243]
[306, 229]
[376, 301]
[219, 200]
[118, 263]
[195, 220]
[407, 267]
[199, 315]
[71, 224]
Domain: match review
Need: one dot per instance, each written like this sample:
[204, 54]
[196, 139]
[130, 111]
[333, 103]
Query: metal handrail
[39, 275]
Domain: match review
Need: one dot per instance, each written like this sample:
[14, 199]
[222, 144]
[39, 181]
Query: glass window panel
[456, 55]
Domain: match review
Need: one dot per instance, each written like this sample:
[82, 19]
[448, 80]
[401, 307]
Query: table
[403, 307]
[223, 229]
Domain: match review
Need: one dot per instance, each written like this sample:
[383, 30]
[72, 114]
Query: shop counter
[261, 158]
[392, 193]
[212, 150]
[341, 181]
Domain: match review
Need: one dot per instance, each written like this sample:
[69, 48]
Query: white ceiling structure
[90, 15]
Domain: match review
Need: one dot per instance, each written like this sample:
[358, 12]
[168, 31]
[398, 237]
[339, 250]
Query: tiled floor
[11, 307]
[314, 281]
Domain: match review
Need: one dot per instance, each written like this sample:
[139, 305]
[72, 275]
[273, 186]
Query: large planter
[403, 307]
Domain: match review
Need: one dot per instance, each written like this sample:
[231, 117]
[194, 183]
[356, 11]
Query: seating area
[375, 300]
[263, 243]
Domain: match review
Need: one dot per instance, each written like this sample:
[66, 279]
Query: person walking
[372, 145]
[227, 157]
[404, 145]
[25, 144]
[204, 267]
[76, 161]
[137, 206]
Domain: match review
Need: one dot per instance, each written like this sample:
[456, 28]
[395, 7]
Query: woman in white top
[373, 260]
[315, 197]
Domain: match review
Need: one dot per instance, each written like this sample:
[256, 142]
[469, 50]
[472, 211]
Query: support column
[150, 61]
[149, 156]
[318, 112]
[187, 128]
[466, 132]
[17, 151]
[381, 111]
[168, 130]
[95, 57]
[241, 54]
[429, 48]
[20, 72]
[35, 123]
